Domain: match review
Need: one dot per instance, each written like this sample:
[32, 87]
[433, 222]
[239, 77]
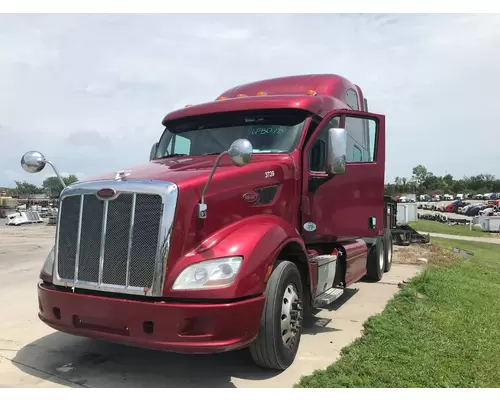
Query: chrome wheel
[291, 315]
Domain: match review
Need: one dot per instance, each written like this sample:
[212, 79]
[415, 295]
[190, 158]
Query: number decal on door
[269, 174]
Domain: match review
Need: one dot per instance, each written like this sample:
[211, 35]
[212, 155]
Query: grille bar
[78, 239]
[103, 240]
[119, 244]
[130, 239]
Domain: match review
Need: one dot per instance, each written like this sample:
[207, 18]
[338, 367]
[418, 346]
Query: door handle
[372, 223]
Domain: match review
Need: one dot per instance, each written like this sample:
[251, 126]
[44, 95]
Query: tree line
[51, 186]
[423, 181]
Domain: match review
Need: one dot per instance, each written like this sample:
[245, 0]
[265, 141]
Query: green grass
[441, 330]
[423, 225]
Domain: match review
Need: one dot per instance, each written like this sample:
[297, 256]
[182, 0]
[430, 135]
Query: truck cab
[253, 209]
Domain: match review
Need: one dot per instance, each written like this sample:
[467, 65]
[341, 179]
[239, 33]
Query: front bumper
[169, 326]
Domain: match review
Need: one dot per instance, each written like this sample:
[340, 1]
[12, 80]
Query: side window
[182, 145]
[317, 151]
[357, 154]
[351, 99]
[361, 139]
[372, 138]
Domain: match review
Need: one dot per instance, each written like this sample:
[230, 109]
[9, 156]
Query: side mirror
[336, 152]
[240, 152]
[33, 162]
[154, 149]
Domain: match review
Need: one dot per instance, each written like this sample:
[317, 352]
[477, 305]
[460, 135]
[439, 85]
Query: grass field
[423, 225]
[440, 330]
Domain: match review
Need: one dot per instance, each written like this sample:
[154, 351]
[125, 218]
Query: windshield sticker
[266, 130]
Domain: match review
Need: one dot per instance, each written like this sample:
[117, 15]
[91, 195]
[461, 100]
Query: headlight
[210, 274]
[48, 265]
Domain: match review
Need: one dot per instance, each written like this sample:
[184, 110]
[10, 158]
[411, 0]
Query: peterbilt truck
[253, 210]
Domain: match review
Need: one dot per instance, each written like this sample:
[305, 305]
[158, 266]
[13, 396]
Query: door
[350, 205]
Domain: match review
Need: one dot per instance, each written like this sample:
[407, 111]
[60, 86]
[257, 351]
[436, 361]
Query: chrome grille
[118, 244]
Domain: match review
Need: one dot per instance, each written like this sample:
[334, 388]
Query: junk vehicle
[253, 209]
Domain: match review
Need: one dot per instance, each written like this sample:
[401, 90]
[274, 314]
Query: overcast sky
[90, 91]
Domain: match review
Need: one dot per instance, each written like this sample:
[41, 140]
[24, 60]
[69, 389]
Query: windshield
[276, 131]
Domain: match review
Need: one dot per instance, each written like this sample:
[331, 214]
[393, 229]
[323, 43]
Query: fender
[258, 239]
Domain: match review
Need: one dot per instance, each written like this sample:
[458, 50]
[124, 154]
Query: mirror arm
[57, 174]
[202, 207]
[216, 164]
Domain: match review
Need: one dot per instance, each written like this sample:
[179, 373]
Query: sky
[90, 91]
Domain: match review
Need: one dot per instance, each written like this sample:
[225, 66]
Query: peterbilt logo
[106, 194]
[250, 197]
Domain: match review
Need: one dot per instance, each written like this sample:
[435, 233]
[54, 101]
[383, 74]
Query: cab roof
[318, 94]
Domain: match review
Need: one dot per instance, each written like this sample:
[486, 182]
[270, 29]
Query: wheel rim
[381, 257]
[291, 316]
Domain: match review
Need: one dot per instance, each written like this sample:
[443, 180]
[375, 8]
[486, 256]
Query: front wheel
[281, 323]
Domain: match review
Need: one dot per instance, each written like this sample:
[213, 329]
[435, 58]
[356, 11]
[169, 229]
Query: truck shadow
[75, 361]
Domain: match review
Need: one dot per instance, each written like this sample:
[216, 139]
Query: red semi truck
[254, 209]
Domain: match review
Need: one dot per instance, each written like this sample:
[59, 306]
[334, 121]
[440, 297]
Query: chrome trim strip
[169, 193]
[130, 238]
[78, 239]
[103, 239]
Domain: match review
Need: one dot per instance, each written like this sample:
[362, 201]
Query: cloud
[88, 138]
[90, 91]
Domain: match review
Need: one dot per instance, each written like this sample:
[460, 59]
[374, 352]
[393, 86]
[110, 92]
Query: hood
[183, 170]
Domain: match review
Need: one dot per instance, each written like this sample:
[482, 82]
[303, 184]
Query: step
[328, 297]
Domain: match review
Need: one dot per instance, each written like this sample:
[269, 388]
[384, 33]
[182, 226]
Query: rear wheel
[376, 260]
[281, 324]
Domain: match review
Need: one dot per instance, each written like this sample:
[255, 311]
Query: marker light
[261, 93]
[311, 92]
[221, 98]
[241, 95]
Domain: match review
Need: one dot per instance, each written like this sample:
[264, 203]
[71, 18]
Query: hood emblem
[122, 174]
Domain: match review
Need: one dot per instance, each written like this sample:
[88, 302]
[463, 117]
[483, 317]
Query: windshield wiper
[211, 154]
[172, 155]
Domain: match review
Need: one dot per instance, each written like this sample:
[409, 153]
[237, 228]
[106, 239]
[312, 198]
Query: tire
[388, 250]
[376, 261]
[284, 287]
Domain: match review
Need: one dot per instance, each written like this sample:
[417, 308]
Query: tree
[25, 189]
[53, 186]
[420, 175]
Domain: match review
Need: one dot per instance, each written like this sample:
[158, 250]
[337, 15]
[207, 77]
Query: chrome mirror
[33, 162]
[336, 151]
[240, 152]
